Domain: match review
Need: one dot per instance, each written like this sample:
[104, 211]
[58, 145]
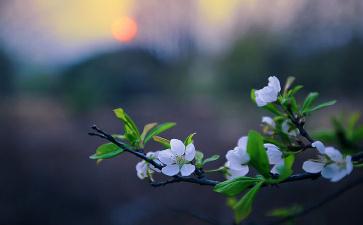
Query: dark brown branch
[178, 179]
[324, 201]
[201, 180]
[299, 124]
[100, 133]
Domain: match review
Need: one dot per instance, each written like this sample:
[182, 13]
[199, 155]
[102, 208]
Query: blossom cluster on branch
[271, 152]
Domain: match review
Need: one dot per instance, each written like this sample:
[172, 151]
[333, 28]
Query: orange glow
[124, 29]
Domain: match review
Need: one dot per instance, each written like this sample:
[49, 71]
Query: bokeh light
[124, 29]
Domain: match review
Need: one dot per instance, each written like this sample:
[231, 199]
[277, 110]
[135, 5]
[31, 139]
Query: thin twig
[201, 180]
[317, 205]
[102, 134]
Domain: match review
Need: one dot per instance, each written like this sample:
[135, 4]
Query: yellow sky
[79, 20]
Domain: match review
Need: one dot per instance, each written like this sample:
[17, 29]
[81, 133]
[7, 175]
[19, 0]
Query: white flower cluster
[176, 160]
[331, 163]
[238, 158]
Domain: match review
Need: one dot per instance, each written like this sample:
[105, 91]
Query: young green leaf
[211, 159]
[296, 89]
[146, 130]
[106, 151]
[163, 141]
[235, 186]
[289, 81]
[257, 153]
[286, 212]
[129, 125]
[285, 170]
[243, 207]
[320, 106]
[199, 159]
[309, 101]
[158, 130]
[189, 139]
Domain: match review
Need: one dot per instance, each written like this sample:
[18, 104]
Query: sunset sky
[57, 32]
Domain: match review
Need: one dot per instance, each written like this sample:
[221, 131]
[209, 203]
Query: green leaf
[289, 81]
[294, 105]
[285, 171]
[235, 186]
[211, 159]
[130, 126]
[158, 130]
[163, 141]
[353, 120]
[286, 212]
[199, 159]
[357, 134]
[189, 139]
[243, 207]
[146, 130]
[106, 151]
[257, 153]
[309, 101]
[296, 89]
[321, 106]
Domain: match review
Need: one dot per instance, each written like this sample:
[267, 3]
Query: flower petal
[177, 147]
[274, 83]
[238, 173]
[141, 168]
[258, 99]
[274, 154]
[234, 159]
[166, 157]
[187, 169]
[170, 170]
[333, 172]
[242, 142]
[190, 152]
[319, 146]
[313, 167]
[268, 94]
[334, 154]
[243, 155]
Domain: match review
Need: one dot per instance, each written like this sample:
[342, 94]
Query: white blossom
[331, 163]
[237, 159]
[274, 157]
[145, 169]
[269, 93]
[177, 158]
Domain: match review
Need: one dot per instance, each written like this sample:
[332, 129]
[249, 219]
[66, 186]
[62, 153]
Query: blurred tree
[113, 77]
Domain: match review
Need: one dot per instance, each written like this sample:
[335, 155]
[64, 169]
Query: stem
[200, 179]
[100, 133]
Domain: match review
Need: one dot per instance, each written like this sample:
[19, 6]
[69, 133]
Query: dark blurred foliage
[117, 77]
[331, 70]
[6, 74]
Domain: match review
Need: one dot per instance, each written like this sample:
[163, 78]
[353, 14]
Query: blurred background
[64, 65]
